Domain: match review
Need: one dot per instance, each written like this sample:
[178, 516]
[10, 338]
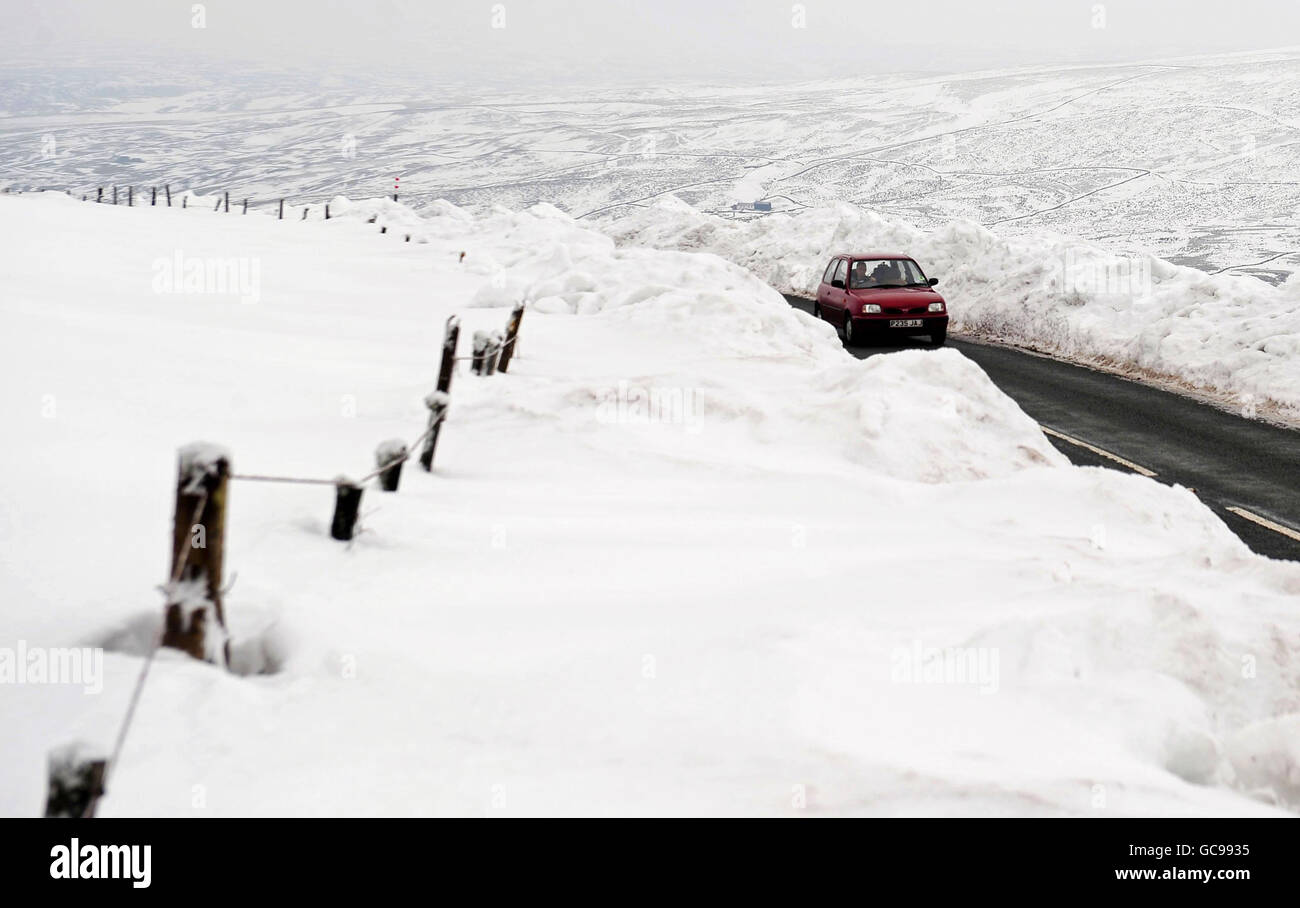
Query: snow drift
[687, 557]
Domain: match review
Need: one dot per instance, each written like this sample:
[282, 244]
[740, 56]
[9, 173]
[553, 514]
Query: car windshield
[868, 273]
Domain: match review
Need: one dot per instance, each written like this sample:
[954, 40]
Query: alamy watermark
[25, 664]
[75, 861]
[180, 273]
[972, 665]
[630, 404]
[1083, 272]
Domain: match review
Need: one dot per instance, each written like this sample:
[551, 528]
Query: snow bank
[688, 556]
[907, 416]
[1236, 339]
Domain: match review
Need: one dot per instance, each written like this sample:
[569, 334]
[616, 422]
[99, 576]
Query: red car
[880, 295]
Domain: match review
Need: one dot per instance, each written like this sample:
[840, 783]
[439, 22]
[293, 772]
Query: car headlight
[869, 308]
[936, 307]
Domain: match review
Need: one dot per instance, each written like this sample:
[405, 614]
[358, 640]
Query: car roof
[854, 256]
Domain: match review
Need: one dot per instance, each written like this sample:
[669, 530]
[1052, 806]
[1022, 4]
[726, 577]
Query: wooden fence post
[389, 457]
[217, 207]
[130, 196]
[281, 209]
[114, 195]
[227, 211]
[437, 402]
[327, 211]
[76, 781]
[512, 336]
[493, 353]
[99, 194]
[478, 355]
[185, 201]
[153, 196]
[245, 211]
[168, 189]
[194, 620]
[445, 372]
[304, 213]
[383, 229]
[347, 502]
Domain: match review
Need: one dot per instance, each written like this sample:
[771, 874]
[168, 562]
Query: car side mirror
[934, 281]
[837, 283]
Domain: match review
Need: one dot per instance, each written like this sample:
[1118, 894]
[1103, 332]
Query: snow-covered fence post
[437, 402]
[450, 337]
[76, 781]
[493, 353]
[347, 502]
[194, 620]
[478, 359]
[512, 335]
[245, 211]
[168, 189]
[389, 457]
[445, 371]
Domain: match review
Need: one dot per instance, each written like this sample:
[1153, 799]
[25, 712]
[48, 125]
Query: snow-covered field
[688, 556]
[1231, 338]
[1191, 159]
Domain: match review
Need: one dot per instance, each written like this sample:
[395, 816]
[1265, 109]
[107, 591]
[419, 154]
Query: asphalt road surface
[1248, 472]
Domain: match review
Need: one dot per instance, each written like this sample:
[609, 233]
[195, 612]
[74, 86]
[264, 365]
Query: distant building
[752, 206]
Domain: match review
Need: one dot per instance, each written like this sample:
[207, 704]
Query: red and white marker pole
[396, 183]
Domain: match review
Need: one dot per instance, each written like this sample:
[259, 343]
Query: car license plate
[904, 323]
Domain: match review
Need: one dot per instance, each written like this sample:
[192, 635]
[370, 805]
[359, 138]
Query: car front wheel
[850, 339]
[938, 337]
[817, 311]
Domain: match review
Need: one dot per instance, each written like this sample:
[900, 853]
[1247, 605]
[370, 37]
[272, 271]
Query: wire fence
[193, 617]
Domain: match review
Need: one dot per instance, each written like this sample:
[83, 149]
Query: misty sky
[604, 41]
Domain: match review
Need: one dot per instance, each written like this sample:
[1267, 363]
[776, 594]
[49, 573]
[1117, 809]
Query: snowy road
[1230, 461]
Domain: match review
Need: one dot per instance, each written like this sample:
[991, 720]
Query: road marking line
[1094, 449]
[1266, 523]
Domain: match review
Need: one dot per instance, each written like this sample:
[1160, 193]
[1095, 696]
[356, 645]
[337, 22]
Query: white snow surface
[1232, 338]
[687, 557]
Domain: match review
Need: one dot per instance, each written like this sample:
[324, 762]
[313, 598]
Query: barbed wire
[217, 195]
[221, 196]
[182, 562]
[183, 556]
[400, 458]
[410, 449]
[508, 342]
[247, 477]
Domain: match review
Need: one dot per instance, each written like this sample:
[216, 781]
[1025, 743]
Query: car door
[835, 298]
[823, 289]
